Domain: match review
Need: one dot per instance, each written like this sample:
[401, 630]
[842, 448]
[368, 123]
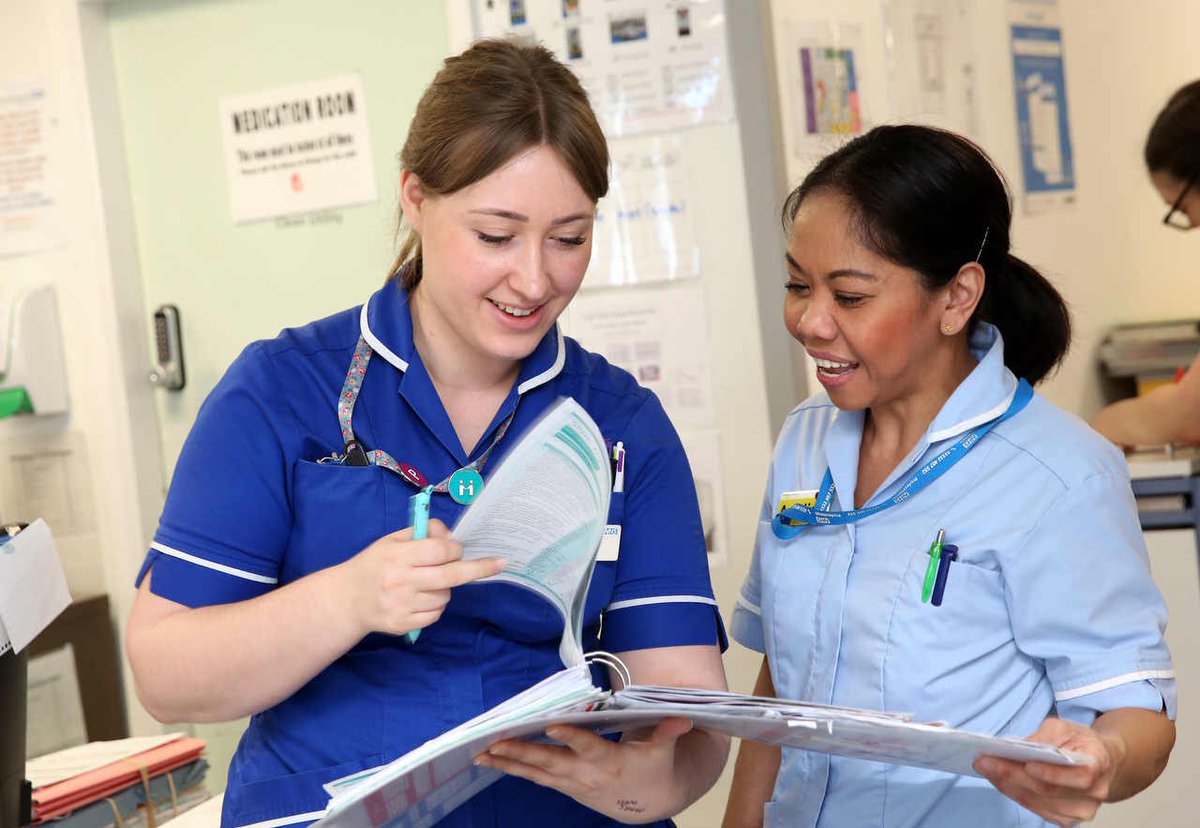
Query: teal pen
[418, 513]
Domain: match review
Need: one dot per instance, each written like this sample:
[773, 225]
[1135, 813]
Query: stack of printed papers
[544, 510]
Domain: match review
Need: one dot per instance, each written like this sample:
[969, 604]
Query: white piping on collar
[979, 419]
[551, 372]
[377, 346]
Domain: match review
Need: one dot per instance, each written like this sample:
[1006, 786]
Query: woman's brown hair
[485, 106]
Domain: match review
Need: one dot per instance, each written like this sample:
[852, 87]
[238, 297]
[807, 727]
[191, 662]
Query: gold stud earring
[947, 329]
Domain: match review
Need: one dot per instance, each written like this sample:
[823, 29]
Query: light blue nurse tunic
[1050, 606]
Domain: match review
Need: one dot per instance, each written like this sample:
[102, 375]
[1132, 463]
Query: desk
[205, 815]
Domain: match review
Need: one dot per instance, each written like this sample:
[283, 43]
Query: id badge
[802, 497]
[610, 543]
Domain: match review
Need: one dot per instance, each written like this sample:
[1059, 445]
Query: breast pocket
[338, 511]
[937, 656]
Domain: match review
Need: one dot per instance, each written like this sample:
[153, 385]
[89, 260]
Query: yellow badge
[804, 497]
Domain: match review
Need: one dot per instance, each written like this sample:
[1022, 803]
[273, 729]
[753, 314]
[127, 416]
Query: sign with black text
[297, 149]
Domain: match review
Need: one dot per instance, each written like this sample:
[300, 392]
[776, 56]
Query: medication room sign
[297, 149]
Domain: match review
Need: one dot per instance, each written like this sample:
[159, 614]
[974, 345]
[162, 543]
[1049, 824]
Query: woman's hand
[631, 781]
[1063, 794]
[399, 584]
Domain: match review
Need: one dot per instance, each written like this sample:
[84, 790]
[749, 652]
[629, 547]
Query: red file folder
[60, 798]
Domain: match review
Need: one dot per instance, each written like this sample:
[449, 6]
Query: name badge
[803, 497]
[610, 543]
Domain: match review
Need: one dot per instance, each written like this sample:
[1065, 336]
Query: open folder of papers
[544, 510]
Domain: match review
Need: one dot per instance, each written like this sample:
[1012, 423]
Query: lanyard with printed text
[793, 520]
[463, 485]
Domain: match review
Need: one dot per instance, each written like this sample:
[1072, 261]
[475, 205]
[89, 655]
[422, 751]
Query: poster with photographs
[648, 66]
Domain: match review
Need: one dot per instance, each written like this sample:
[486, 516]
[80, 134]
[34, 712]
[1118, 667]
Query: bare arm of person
[1129, 747]
[755, 772]
[1168, 414]
[206, 664]
[648, 775]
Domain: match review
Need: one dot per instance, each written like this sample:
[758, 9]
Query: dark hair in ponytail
[932, 201]
[1173, 144]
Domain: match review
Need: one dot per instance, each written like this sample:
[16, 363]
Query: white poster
[932, 63]
[644, 230]
[659, 335]
[27, 199]
[648, 66]
[823, 68]
[297, 149]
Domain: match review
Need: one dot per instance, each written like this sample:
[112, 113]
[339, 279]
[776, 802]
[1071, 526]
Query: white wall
[110, 429]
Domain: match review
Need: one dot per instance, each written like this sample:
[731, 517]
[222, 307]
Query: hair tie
[979, 255]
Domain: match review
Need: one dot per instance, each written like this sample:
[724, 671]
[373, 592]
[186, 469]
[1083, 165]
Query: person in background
[1169, 413]
[281, 582]
[981, 563]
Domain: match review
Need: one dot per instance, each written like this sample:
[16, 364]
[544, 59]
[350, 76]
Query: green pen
[935, 555]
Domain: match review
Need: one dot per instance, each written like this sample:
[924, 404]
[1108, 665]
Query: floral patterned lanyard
[463, 485]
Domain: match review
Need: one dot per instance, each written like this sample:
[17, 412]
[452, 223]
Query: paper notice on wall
[644, 231]
[648, 66]
[658, 334]
[931, 57]
[1040, 92]
[28, 212]
[703, 449]
[297, 149]
[823, 68]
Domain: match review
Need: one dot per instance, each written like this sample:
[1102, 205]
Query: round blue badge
[465, 485]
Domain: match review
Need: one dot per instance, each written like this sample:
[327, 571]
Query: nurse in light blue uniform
[1037, 615]
[282, 581]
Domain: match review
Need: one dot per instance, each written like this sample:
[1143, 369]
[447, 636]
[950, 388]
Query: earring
[947, 329]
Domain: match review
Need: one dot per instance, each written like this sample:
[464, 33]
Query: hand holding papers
[543, 510]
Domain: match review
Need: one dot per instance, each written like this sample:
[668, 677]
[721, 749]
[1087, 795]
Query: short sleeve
[1083, 602]
[662, 595]
[747, 623]
[227, 518]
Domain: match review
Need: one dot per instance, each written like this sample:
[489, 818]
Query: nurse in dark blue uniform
[282, 582]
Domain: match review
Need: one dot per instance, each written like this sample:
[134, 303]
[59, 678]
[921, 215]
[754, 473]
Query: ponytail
[1031, 315]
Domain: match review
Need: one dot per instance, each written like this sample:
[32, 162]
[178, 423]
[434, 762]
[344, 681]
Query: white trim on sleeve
[228, 570]
[660, 599]
[1116, 681]
[311, 816]
[747, 606]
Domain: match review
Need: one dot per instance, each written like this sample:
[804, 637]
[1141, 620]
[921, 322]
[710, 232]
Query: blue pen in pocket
[418, 515]
[949, 555]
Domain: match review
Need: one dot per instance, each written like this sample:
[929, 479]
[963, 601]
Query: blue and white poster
[1040, 93]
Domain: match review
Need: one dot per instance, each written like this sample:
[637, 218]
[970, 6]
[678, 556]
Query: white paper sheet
[543, 510]
[33, 588]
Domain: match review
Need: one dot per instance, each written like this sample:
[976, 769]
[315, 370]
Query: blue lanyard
[793, 520]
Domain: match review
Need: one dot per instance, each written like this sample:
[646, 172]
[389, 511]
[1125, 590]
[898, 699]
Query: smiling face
[501, 259]
[869, 324]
